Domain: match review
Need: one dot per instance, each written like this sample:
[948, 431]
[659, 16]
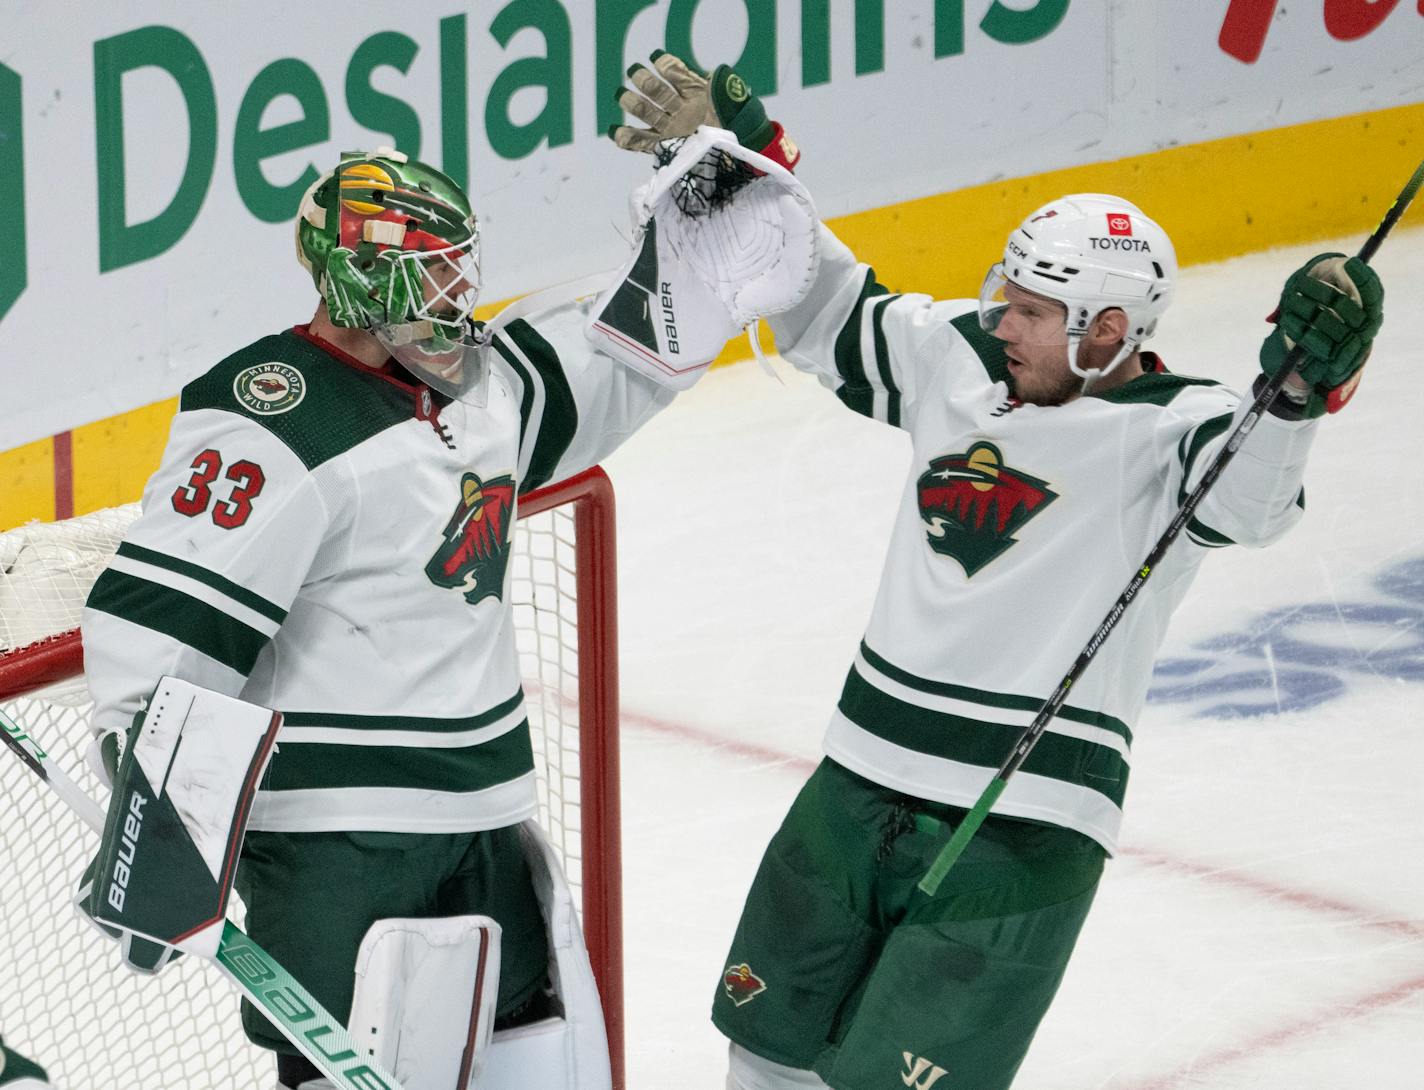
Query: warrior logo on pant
[920, 1073]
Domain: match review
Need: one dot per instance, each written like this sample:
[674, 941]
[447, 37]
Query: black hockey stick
[290, 1007]
[950, 852]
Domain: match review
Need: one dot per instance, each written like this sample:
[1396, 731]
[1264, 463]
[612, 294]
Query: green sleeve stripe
[855, 391]
[1203, 534]
[972, 741]
[1192, 444]
[991, 699]
[403, 722]
[239, 594]
[559, 419]
[986, 346]
[180, 617]
[526, 395]
[299, 766]
[882, 361]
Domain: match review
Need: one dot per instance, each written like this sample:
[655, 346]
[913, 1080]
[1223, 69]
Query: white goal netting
[64, 999]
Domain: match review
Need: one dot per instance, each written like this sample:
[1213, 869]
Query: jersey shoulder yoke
[1154, 388]
[317, 405]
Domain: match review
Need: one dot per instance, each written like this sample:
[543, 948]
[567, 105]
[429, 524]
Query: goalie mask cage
[65, 1000]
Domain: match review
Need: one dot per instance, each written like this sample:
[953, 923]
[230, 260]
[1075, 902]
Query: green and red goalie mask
[394, 248]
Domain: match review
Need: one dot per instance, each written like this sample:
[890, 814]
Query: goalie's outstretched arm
[743, 250]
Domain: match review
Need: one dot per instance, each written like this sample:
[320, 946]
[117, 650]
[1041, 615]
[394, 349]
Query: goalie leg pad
[425, 998]
[178, 814]
[568, 1053]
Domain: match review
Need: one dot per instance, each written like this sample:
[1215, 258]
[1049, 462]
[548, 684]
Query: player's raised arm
[830, 315]
[1332, 307]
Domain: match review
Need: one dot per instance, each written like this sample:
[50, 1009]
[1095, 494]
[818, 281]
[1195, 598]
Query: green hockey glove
[1333, 306]
[674, 99]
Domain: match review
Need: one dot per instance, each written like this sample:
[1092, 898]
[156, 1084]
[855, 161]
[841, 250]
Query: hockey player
[1051, 450]
[328, 535]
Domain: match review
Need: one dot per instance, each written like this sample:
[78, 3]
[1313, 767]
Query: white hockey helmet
[1091, 252]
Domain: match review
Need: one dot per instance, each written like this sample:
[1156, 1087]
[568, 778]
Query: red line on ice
[1327, 1019]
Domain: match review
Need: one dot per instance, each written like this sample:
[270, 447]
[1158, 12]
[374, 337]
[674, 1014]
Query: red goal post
[564, 593]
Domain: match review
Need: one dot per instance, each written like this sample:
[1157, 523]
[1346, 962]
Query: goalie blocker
[177, 816]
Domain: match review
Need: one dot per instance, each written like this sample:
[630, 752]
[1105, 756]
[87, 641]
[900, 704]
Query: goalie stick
[930, 883]
[269, 987]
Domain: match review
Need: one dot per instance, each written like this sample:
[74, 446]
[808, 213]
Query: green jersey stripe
[559, 419]
[179, 616]
[526, 394]
[304, 766]
[991, 699]
[986, 346]
[855, 391]
[882, 362]
[1152, 388]
[402, 722]
[1203, 534]
[1192, 444]
[973, 741]
[237, 593]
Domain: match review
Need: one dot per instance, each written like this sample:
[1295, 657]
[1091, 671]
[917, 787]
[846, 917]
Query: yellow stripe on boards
[27, 484]
[1217, 199]
[114, 457]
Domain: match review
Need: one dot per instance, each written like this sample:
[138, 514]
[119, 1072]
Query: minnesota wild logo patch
[269, 389]
[741, 984]
[972, 504]
[475, 551]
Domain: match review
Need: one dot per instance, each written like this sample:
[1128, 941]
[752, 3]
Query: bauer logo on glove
[716, 248]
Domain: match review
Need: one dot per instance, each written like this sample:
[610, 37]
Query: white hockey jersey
[311, 544]
[1017, 529]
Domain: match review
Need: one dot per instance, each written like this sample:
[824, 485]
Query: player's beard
[1036, 388]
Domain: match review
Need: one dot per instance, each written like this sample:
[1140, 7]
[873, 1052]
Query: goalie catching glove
[1333, 307]
[714, 250]
[674, 99]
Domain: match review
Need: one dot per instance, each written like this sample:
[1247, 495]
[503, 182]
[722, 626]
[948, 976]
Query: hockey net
[64, 999]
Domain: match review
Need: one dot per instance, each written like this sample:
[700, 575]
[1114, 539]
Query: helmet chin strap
[1090, 375]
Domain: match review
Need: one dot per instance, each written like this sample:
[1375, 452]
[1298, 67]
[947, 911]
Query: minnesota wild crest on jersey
[329, 540]
[972, 503]
[475, 552]
[1017, 528]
